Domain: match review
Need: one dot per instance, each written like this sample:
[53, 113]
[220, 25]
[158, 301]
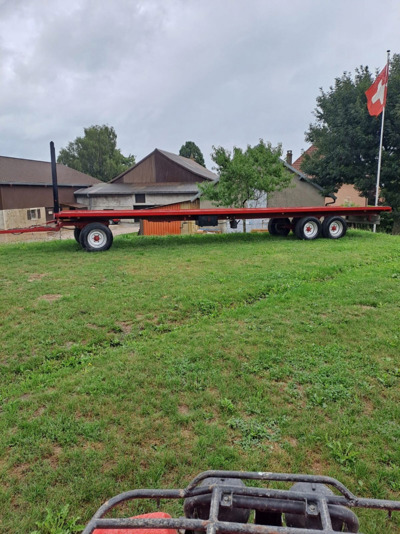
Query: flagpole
[378, 174]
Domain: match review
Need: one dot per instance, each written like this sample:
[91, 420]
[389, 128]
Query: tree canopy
[246, 174]
[191, 150]
[347, 138]
[96, 154]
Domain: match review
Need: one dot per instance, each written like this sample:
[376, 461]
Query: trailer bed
[221, 213]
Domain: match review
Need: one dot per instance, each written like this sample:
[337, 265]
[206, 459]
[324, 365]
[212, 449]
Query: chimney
[289, 157]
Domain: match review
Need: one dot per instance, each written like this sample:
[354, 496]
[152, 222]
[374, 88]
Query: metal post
[56, 207]
[378, 174]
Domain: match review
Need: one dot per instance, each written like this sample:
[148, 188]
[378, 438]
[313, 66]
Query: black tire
[77, 233]
[96, 237]
[308, 228]
[279, 227]
[295, 220]
[334, 227]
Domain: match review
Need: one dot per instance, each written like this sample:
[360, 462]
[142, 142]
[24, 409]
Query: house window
[140, 198]
[33, 214]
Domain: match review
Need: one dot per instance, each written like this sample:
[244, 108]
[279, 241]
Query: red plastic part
[154, 515]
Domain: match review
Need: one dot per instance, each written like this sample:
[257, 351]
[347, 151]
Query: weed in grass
[58, 523]
[254, 432]
[227, 405]
[343, 453]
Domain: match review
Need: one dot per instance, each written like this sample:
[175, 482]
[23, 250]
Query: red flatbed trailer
[93, 234]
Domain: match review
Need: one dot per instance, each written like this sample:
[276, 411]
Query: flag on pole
[376, 94]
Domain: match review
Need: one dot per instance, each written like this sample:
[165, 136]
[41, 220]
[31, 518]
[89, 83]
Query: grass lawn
[164, 357]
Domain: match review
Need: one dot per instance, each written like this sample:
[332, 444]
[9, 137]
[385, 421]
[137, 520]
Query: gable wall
[302, 195]
[169, 171]
[144, 173]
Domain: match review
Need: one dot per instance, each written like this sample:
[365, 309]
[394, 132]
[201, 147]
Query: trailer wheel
[77, 233]
[308, 228]
[96, 237]
[334, 227]
[295, 220]
[279, 227]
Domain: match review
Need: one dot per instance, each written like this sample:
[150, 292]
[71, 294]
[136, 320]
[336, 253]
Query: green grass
[164, 357]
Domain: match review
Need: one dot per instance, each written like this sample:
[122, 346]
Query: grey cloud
[219, 72]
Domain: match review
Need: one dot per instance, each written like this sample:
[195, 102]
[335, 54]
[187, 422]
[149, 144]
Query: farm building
[160, 179]
[166, 179]
[347, 194]
[26, 195]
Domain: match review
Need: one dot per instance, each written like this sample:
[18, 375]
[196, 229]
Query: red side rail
[72, 216]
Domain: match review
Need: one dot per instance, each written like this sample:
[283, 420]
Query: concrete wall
[300, 194]
[10, 219]
[127, 202]
[107, 202]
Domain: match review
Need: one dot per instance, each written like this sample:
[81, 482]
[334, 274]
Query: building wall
[349, 196]
[20, 196]
[10, 219]
[145, 173]
[158, 169]
[169, 171]
[127, 202]
[107, 202]
[300, 194]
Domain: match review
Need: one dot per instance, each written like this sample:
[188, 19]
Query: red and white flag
[376, 94]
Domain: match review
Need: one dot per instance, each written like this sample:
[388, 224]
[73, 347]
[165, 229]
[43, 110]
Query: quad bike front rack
[220, 502]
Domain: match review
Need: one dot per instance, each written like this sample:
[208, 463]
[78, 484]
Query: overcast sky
[163, 72]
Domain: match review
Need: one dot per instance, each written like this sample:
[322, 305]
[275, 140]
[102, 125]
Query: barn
[26, 194]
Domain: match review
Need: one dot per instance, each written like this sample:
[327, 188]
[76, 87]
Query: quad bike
[219, 501]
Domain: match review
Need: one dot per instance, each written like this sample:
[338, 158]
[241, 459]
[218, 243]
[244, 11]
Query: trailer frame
[91, 227]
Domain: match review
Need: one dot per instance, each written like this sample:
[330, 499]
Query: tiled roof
[30, 172]
[299, 161]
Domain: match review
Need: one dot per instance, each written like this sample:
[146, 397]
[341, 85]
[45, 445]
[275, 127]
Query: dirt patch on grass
[20, 470]
[39, 411]
[50, 298]
[183, 409]
[125, 327]
[36, 276]
[54, 457]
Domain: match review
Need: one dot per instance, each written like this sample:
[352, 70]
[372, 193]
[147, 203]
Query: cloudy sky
[162, 72]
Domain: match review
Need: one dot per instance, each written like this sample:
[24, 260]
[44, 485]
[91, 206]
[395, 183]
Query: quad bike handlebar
[219, 502]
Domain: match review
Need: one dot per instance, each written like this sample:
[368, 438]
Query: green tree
[347, 138]
[191, 150]
[246, 175]
[96, 154]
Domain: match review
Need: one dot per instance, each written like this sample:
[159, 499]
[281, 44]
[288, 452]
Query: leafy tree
[347, 138]
[191, 150]
[246, 175]
[96, 154]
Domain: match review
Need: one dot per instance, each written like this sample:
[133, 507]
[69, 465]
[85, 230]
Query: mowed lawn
[164, 357]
